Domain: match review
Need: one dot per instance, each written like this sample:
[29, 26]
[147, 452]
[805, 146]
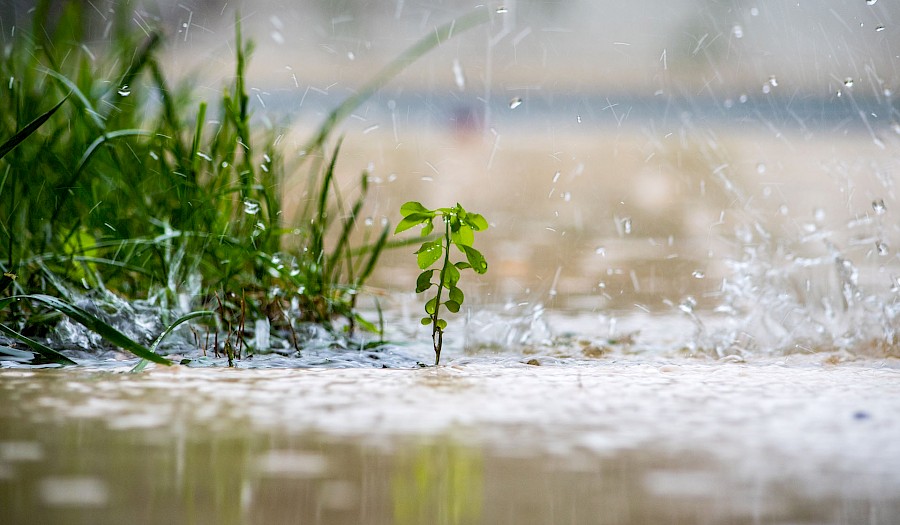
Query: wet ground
[482, 440]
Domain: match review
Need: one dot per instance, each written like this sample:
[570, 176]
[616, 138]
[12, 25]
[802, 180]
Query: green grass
[114, 183]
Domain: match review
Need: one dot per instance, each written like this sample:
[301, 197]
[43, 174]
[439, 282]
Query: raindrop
[458, 75]
[737, 31]
[760, 168]
[783, 209]
[819, 214]
[251, 207]
[204, 156]
[567, 196]
[698, 274]
[351, 55]
[743, 99]
[773, 81]
[879, 28]
[687, 305]
[766, 89]
[600, 250]
[515, 102]
[882, 248]
[871, 2]
[502, 10]
[626, 225]
[887, 92]
[277, 37]
[754, 11]
[848, 82]
[556, 177]
[369, 221]
[578, 118]
[124, 91]
[879, 207]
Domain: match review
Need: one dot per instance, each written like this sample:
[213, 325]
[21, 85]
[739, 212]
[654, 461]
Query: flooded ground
[481, 440]
[691, 313]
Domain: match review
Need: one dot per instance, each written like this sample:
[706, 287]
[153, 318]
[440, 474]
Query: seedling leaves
[429, 253]
[424, 281]
[475, 259]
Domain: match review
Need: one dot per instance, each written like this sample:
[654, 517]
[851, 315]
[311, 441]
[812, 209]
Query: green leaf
[428, 228]
[429, 253]
[431, 305]
[450, 275]
[412, 207]
[476, 222]
[29, 128]
[475, 259]
[425, 321]
[407, 223]
[464, 236]
[424, 281]
[442, 324]
[462, 265]
[97, 325]
[456, 295]
[453, 306]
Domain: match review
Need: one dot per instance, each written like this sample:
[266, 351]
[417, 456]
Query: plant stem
[437, 334]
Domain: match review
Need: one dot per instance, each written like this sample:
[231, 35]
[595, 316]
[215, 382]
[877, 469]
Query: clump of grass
[125, 187]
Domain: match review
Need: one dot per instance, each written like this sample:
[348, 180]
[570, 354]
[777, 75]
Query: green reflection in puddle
[441, 484]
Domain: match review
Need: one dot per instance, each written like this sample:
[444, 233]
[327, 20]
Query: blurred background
[736, 157]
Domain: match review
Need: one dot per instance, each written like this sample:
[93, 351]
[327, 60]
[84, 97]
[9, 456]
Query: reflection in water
[615, 441]
[441, 484]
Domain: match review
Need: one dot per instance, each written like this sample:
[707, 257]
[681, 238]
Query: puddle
[484, 440]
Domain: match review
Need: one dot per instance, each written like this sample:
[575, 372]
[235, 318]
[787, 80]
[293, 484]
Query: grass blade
[88, 107]
[171, 328]
[30, 128]
[96, 325]
[395, 67]
[100, 140]
[376, 250]
[349, 224]
[47, 352]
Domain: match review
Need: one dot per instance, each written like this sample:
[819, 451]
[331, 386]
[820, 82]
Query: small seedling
[459, 230]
